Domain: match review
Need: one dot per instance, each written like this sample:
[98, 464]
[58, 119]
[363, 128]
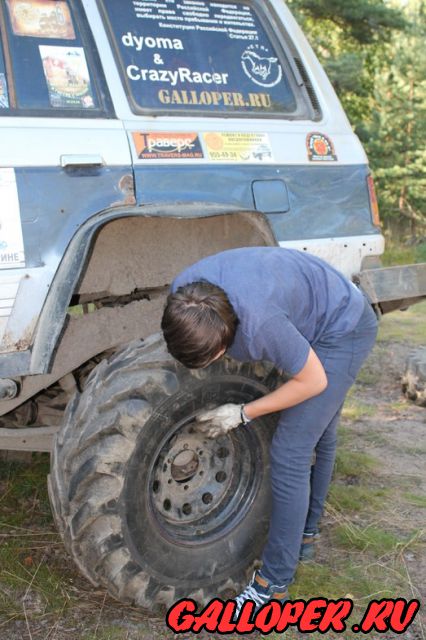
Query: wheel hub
[191, 477]
[185, 465]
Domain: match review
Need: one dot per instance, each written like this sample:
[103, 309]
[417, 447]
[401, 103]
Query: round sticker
[260, 66]
[320, 148]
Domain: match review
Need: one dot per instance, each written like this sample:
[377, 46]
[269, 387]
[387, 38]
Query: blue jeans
[299, 489]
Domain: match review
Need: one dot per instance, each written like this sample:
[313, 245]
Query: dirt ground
[42, 597]
[396, 436]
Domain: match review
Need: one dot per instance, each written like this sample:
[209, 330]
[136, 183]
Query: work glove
[222, 420]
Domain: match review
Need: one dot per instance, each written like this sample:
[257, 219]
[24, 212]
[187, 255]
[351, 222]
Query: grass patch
[373, 570]
[345, 437]
[351, 578]
[404, 326]
[313, 578]
[419, 450]
[354, 409]
[397, 254]
[351, 490]
[366, 375]
[28, 584]
[32, 582]
[409, 482]
[376, 439]
[357, 410]
[398, 406]
[371, 539]
[23, 490]
[344, 578]
[355, 498]
[352, 464]
[413, 498]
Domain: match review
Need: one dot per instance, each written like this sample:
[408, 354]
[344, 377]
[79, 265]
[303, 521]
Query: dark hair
[198, 321]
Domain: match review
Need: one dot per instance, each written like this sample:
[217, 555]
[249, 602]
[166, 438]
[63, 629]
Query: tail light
[374, 206]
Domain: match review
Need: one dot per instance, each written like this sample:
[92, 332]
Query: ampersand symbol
[158, 59]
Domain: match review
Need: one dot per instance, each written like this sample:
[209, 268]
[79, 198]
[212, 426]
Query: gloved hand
[219, 421]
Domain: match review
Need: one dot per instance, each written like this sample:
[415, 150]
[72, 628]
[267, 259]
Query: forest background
[374, 53]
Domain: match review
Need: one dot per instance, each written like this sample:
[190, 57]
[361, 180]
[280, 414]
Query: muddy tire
[414, 378]
[147, 507]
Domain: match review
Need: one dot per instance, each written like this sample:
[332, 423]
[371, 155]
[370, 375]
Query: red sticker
[320, 148]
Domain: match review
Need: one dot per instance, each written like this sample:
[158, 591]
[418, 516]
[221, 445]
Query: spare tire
[414, 378]
[148, 508]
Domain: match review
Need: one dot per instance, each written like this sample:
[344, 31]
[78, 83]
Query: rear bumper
[394, 288]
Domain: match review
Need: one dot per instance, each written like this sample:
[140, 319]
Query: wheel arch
[100, 262]
[88, 264]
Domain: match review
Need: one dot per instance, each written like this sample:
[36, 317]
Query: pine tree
[349, 37]
[364, 21]
[397, 132]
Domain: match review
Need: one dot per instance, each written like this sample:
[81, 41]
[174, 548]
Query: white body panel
[287, 137]
[287, 142]
[40, 142]
[345, 254]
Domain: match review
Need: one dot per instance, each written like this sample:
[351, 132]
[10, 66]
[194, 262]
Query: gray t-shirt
[285, 301]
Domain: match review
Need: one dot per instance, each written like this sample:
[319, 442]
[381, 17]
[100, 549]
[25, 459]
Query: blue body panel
[55, 202]
[62, 210]
[325, 201]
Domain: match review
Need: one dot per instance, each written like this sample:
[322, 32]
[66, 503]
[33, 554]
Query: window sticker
[238, 147]
[320, 148]
[203, 55]
[11, 241]
[166, 146]
[4, 97]
[41, 19]
[67, 76]
[261, 67]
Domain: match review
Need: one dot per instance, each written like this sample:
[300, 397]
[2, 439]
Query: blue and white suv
[137, 137]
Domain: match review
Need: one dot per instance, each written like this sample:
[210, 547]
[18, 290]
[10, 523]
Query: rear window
[52, 65]
[199, 55]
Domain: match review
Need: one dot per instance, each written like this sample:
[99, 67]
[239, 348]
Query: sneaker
[260, 591]
[307, 548]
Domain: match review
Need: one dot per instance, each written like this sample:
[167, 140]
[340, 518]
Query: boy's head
[198, 324]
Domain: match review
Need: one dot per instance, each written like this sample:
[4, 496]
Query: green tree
[395, 137]
[364, 21]
[349, 37]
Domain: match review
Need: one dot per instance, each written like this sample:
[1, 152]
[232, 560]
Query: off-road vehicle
[137, 137]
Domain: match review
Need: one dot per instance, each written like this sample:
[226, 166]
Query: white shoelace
[250, 593]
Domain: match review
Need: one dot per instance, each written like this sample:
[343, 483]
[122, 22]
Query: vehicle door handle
[81, 160]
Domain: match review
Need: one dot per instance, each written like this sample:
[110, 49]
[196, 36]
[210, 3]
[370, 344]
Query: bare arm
[309, 382]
